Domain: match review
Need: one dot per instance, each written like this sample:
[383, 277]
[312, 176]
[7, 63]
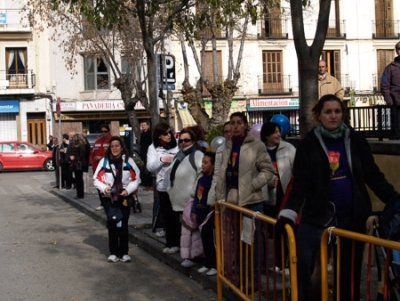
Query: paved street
[52, 251]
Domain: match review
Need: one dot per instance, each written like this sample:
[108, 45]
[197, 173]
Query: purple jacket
[390, 84]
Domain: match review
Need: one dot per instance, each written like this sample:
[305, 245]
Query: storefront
[263, 109]
[9, 109]
[78, 115]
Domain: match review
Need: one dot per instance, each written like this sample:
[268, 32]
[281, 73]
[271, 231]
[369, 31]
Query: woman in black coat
[332, 166]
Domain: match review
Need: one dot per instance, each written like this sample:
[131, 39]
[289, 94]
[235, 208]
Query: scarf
[117, 185]
[335, 134]
[178, 159]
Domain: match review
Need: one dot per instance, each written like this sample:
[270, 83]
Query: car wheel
[1, 167]
[48, 165]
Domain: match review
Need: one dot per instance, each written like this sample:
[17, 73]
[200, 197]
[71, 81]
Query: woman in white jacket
[159, 158]
[185, 171]
[282, 157]
[117, 177]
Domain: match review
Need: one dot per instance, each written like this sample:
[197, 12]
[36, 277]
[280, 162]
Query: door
[37, 132]
[272, 72]
[384, 24]
[332, 59]
[27, 156]
[8, 156]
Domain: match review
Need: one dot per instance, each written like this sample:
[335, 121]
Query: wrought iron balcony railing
[336, 29]
[385, 29]
[274, 84]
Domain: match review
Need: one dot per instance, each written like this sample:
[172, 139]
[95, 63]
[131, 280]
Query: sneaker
[286, 271]
[330, 267]
[274, 269]
[126, 258]
[187, 263]
[211, 272]
[112, 258]
[173, 250]
[202, 270]
[160, 233]
[166, 250]
[99, 208]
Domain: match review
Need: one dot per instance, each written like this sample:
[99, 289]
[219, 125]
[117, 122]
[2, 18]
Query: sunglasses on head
[186, 140]
[166, 133]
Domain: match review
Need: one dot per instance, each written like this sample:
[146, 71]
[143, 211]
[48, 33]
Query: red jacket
[99, 149]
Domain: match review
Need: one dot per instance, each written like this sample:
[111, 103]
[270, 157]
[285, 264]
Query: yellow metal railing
[247, 286]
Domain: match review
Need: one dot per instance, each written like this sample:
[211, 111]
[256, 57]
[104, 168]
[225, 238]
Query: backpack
[105, 161]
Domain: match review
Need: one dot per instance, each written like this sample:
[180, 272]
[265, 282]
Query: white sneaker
[187, 263]
[211, 272]
[126, 258]
[166, 250]
[286, 271]
[99, 208]
[330, 267]
[202, 270]
[274, 269]
[160, 233]
[112, 258]
[173, 250]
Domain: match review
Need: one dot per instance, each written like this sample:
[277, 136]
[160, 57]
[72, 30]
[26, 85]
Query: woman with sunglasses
[160, 155]
[186, 169]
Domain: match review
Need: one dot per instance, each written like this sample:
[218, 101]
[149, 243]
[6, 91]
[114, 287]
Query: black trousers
[207, 237]
[171, 221]
[79, 183]
[118, 237]
[66, 175]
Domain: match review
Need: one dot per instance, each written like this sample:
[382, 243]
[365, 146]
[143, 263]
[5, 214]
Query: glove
[280, 225]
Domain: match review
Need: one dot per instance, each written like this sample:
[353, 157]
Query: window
[16, 62]
[334, 30]
[271, 26]
[130, 67]
[272, 72]
[96, 74]
[208, 68]
[384, 24]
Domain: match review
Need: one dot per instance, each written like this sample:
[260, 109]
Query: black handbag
[76, 166]
[114, 214]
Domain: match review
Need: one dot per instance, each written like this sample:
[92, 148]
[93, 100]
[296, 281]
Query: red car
[24, 155]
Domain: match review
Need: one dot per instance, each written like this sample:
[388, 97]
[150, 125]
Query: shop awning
[186, 118]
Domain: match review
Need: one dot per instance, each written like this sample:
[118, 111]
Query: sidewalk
[140, 231]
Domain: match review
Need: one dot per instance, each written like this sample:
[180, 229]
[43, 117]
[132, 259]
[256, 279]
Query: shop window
[96, 73]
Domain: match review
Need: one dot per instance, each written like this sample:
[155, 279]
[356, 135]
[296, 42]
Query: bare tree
[201, 29]
[308, 57]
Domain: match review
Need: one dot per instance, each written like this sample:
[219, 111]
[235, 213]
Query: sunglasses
[104, 131]
[166, 133]
[186, 140]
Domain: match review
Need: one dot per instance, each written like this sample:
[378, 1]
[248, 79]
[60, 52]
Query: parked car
[92, 138]
[24, 155]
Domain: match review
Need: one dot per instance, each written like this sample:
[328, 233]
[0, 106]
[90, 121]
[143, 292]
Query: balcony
[273, 28]
[14, 20]
[336, 29]
[386, 29]
[272, 84]
[17, 83]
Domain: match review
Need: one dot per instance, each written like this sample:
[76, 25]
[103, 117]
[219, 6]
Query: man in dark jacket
[56, 160]
[390, 87]
[145, 141]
